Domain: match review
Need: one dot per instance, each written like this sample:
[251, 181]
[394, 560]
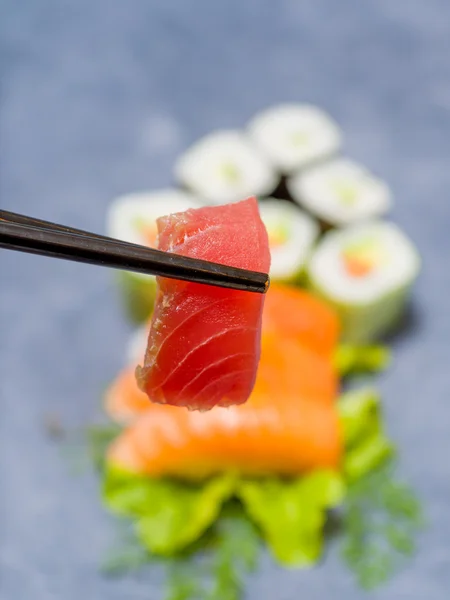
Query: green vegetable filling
[230, 173]
[348, 193]
[278, 234]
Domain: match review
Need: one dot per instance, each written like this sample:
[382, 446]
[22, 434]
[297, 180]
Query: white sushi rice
[299, 230]
[340, 192]
[293, 136]
[397, 267]
[144, 208]
[224, 167]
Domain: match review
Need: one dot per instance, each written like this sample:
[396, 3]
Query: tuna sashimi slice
[204, 342]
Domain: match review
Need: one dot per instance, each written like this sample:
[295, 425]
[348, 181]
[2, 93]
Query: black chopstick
[26, 234]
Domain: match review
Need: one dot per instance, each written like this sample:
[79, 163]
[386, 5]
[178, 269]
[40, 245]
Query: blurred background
[98, 98]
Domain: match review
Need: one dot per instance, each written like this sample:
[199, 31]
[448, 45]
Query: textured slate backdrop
[98, 97]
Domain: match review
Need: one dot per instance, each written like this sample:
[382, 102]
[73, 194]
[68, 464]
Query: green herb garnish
[381, 515]
[236, 554]
[183, 583]
[381, 520]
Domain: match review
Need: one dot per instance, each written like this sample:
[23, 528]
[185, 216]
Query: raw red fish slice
[175, 230]
[187, 359]
[196, 326]
[234, 363]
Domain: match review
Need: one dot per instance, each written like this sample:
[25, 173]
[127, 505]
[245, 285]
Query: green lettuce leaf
[126, 493]
[291, 514]
[366, 445]
[361, 359]
[359, 415]
[170, 515]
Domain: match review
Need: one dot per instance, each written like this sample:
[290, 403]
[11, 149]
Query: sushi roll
[365, 272]
[340, 192]
[293, 136]
[224, 167]
[132, 218]
[292, 234]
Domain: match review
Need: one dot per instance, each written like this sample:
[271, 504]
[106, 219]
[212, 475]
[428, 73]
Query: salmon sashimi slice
[289, 369]
[204, 342]
[286, 369]
[287, 438]
[296, 313]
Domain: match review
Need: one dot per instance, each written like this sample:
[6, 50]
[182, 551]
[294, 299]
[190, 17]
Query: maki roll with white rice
[292, 234]
[224, 167]
[132, 218]
[294, 136]
[340, 192]
[365, 272]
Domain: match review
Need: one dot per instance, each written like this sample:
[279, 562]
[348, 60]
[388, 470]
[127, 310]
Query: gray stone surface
[97, 98]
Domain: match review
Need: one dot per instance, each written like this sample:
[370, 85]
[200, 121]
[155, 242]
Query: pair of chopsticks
[27, 234]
